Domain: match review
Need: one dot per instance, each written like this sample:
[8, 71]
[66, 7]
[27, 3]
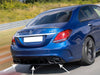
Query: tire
[88, 52]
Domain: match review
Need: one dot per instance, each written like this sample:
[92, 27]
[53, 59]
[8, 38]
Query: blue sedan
[59, 36]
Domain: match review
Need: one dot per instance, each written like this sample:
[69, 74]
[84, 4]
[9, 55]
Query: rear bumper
[50, 54]
[42, 57]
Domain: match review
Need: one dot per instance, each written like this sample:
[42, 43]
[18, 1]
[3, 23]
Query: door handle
[89, 24]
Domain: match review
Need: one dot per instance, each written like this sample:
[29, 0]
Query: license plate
[33, 39]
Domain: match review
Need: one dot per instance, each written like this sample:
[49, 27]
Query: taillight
[62, 36]
[13, 40]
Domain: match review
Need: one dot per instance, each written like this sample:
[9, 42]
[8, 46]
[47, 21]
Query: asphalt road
[74, 69]
[13, 24]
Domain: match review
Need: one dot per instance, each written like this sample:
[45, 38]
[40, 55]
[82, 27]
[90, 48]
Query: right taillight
[62, 36]
[13, 41]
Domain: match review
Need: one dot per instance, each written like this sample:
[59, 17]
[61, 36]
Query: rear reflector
[13, 40]
[62, 36]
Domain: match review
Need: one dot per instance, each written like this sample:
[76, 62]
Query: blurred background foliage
[15, 10]
[32, 1]
[11, 4]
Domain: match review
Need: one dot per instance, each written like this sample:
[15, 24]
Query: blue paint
[69, 50]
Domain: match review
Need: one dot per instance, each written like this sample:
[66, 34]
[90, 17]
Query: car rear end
[45, 48]
[46, 42]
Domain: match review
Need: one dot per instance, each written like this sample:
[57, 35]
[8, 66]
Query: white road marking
[13, 66]
[7, 69]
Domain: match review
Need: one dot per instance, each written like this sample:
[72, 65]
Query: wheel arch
[91, 37]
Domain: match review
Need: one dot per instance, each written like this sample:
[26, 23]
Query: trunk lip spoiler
[34, 35]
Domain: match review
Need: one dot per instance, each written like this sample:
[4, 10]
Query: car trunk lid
[41, 35]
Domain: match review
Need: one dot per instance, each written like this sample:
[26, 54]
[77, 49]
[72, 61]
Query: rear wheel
[88, 52]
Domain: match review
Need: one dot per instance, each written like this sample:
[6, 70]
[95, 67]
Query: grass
[22, 14]
[6, 36]
[11, 15]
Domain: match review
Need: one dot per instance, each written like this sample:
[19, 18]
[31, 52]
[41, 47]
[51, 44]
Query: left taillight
[13, 41]
[62, 36]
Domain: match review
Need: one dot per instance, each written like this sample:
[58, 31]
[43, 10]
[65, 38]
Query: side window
[82, 17]
[86, 13]
[97, 10]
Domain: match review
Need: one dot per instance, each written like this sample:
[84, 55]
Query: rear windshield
[51, 17]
